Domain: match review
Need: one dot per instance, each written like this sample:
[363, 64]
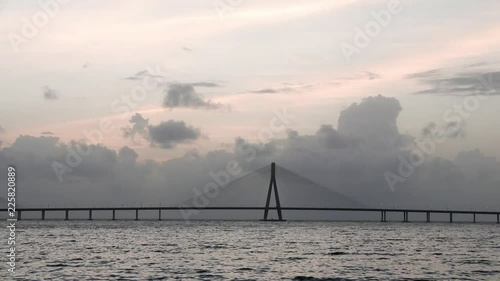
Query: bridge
[272, 190]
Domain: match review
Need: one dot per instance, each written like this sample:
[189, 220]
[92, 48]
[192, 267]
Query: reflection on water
[225, 250]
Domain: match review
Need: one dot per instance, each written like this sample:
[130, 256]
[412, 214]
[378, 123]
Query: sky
[338, 91]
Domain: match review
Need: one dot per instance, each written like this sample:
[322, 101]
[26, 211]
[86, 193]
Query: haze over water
[245, 250]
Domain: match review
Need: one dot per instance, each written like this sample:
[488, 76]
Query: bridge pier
[474, 216]
[498, 218]
[405, 216]
[383, 215]
[451, 217]
[67, 215]
[159, 214]
[43, 214]
[428, 217]
[19, 215]
[136, 214]
[90, 215]
[113, 215]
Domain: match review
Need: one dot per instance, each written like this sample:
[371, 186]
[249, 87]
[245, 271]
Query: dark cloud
[47, 133]
[165, 135]
[139, 127]
[49, 94]
[168, 134]
[455, 130]
[428, 130]
[449, 83]
[450, 130]
[187, 49]
[267, 91]
[204, 84]
[132, 78]
[143, 73]
[85, 65]
[184, 95]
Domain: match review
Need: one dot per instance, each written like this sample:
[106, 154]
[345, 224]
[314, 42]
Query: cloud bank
[350, 159]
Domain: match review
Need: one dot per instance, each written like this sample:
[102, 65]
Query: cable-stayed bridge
[270, 189]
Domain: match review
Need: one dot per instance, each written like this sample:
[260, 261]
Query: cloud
[425, 74]
[85, 65]
[168, 134]
[165, 135]
[476, 165]
[450, 130]
[332, 139]
[2, 130]
[362, 76]
[184, 95]
[47, 133]
[479, 64]
[448, 82]
[139, 127]
[127, 157]
[132, 78]
[288, 88]
[271, 91]
[374, 121]
[365, 75]
[142, 74]
[187, 49]
[204, 84]
[371, 75]
[266, 91]
[49, 94]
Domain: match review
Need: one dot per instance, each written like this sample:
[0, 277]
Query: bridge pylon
[273, 186]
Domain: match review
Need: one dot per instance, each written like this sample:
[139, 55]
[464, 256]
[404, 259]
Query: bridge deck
[383, 211]
[435, 211]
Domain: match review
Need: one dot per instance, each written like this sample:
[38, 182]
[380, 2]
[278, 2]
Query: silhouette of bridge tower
[273, 185]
